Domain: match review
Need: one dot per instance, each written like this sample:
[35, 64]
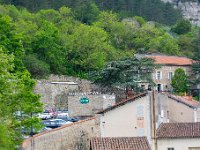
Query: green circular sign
[84, 100]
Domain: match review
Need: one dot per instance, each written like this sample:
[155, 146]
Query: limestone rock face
[190, 9]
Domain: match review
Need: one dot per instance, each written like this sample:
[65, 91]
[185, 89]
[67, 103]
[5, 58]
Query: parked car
[54, 123]
[62, 113]
[67, 118]
[72, 119]
[45, 115]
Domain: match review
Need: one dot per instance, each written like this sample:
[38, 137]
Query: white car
[44, 116]
[62, 113]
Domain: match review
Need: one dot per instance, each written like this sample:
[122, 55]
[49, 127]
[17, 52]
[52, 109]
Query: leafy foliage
[87, 10]
[88, 49]
[179, 81]
[16, 91]
[182, 26]
[129, 72]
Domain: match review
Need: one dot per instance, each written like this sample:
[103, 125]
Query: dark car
[67, 118]
[54, 123]
[72, 119]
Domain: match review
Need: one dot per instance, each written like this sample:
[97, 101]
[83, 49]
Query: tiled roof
[179, 130]
[190, 103]
[123, 102]
[171, 60]
[120, 143]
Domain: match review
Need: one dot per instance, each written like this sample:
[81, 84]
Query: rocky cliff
[190, 9]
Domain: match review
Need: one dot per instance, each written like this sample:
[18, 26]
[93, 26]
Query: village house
[178, 136]
[172, 108]
[120, 143]
[168, 64]
[142, 114]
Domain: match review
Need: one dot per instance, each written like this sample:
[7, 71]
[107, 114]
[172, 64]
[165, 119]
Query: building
[171, 108]
[162, 76]
[96, 102]
[142, 114]
[178, 136]
[131, 117]
[120, 143]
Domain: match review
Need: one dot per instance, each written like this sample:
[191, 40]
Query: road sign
[84, 100]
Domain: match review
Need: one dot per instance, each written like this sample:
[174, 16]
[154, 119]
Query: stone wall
[54, 95]
[74, 136]
[97, 102]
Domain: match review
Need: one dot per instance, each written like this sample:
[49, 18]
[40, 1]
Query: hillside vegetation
[54, 41]
[151, 10]
[76, 41]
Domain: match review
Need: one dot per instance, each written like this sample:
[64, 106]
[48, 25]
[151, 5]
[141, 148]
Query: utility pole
[154, 122]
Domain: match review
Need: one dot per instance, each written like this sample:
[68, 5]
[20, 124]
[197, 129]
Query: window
[158, 75]
[171, 148]
[170, 75]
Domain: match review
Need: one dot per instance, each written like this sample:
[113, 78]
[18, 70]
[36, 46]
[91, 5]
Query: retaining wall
[74, 136]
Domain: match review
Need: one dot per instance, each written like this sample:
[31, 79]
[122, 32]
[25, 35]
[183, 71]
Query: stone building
[168, 64]
[64, 93]
[96, 102]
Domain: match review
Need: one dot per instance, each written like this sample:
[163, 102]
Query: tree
[179, 81]
[16, 91]
[37, 68]
[151, 39]
[16, 95]
[126, 73]
[88, 50]
[6, 141]
[87, 12]
[183, 26]
[47, 45]
[11, 41]
[196, 45]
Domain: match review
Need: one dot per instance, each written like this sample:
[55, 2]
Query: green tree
[87, 12]
[37, 68]
[16, 91]
[11, 41]
[88, 50]
[16, 95]
[47, 45]
[179, 81]
[6, 140]
[126, 73]
[182, 27]
[151, 39]
[196, 46]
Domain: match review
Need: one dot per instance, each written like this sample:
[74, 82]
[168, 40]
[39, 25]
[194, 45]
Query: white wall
[178, 144]
[126, 120]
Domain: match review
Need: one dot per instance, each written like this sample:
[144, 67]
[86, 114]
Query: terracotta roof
[120, 143]
[171, 60]
[123, 102]
[188, 102]
[179, 130]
